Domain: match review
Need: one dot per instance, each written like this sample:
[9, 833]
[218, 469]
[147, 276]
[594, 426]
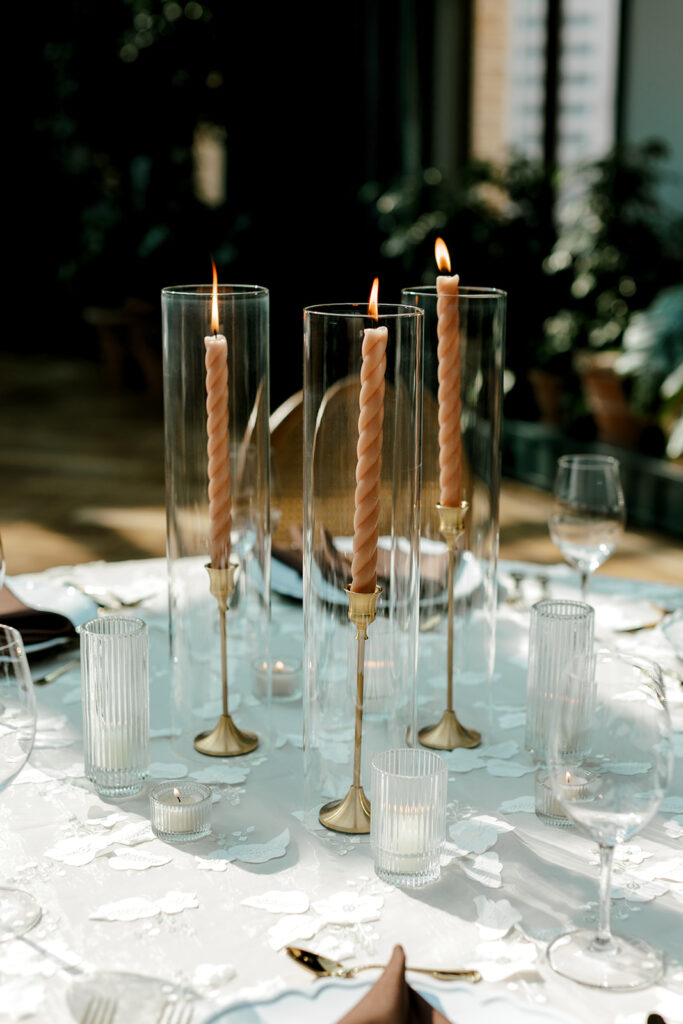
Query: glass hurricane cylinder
[481, 339]
[194, 614]
[333, 339]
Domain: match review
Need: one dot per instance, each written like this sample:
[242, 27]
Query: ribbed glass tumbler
[115, 681]
[559, 632]
[408, 821]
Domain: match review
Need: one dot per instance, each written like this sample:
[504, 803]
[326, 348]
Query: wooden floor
[82, 478]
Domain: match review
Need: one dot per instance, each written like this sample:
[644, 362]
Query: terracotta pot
[548, 391]
[604, 393]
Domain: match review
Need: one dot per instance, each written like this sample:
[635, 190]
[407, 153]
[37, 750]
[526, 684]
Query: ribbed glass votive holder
[559, 632]
[115, 681]
[408, 816]
[180, 811]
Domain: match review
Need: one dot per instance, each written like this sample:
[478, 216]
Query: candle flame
[443, 259]
[176, 794]
[372, 304]
[214, 301]
[568, 778]
[279, 665]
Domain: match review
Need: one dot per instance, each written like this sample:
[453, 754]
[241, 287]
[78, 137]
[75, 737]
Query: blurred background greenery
[310, 147]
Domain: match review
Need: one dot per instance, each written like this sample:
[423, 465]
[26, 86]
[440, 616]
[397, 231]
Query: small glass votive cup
[408, 816]
[180, 811]
[285, 678]
[115, 683]
[546, 806]
[559, 632]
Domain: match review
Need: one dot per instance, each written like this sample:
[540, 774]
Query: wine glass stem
[604, 936]
[584, 586]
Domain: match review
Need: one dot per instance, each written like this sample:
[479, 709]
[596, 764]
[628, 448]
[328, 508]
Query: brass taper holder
[352, 814]
[448, 733]
[225, 739]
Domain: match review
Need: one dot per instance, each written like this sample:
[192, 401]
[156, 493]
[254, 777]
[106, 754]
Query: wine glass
[587, 514]
[609, 768]
[18, 910]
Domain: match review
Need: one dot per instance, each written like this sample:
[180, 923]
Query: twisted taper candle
[450, 401]
[218, 449]
[369, 464]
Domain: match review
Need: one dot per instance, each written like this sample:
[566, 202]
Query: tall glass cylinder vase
[359, 691]
[479, 318]
[216, 392]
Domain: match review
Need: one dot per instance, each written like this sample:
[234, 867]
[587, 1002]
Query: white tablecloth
[207, 916]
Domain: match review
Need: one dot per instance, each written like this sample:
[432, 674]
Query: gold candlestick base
[225, 740]
[448, 734]
[350, 815]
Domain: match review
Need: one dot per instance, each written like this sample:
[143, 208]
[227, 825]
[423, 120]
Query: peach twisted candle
[369, 461]
[218, 448]
[450, 401]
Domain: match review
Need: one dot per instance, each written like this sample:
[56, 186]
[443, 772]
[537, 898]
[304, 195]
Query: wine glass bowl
[610, 762]
[18, 910]
[587, 514]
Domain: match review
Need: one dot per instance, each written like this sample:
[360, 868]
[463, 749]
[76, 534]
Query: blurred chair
[129, 336]
[286, 460]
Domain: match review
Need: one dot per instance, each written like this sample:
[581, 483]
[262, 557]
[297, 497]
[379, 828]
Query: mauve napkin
[391, 1000]
[35, 626]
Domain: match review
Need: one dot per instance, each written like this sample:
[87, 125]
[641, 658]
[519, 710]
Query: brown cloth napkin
[391, 1000]
[35, 626]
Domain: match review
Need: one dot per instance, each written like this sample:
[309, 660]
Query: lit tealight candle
[548, 807]
[285, 676]
[410, 842]
[180, 811]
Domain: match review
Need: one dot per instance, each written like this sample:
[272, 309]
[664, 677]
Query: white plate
[325, 1002]
[288, 582]
[53, 597]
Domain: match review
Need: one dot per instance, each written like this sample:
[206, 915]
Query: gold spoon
[323, 967]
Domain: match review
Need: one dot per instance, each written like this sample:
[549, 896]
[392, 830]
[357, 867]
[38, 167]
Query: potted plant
[651, 365]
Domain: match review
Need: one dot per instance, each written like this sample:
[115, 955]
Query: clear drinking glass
[18, 910]
[115, 677]
[408, 821]
[609, 775]
[587, 515]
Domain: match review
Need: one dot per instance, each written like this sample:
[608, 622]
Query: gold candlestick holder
[225, 739]
[448, 733]
[352, 814]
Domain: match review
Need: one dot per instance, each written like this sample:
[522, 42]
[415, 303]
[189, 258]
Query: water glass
[588, 511]
[610, 781]
[115, 680]
[408, 817]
